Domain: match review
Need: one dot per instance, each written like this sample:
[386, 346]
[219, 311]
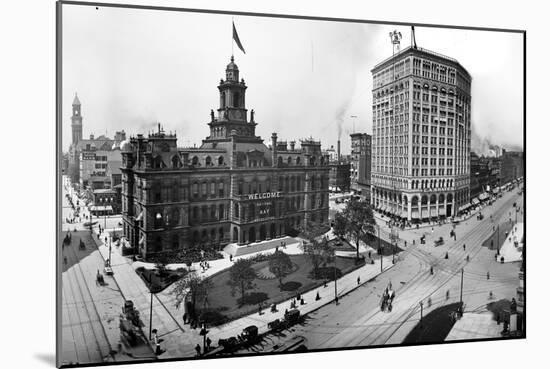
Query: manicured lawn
[221, 299]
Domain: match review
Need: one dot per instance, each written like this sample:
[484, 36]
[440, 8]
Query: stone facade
[233, 188]
[421, 135]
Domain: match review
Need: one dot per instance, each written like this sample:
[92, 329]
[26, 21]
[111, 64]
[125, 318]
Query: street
[358, 321]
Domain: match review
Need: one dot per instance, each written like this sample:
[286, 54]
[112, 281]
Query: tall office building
[421, 135]
[361, 163]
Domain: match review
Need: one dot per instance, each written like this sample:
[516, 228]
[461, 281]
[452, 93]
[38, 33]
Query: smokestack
[274, 149]
[338, 152]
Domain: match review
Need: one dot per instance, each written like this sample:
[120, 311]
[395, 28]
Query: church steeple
[76, 121]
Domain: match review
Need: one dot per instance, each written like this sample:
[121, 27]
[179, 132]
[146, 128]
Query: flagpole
[232, 25]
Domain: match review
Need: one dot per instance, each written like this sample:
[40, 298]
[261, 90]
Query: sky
[306, 78]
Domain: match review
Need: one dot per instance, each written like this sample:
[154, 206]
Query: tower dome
[232, 71]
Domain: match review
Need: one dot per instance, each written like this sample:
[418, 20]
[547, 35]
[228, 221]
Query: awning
[475, 201]
[483, 196]
[442, 211]
[383, 208]
[496, 190]
[414, 214]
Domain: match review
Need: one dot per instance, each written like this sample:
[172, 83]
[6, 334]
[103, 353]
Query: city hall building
[421, 135]
[233, 188]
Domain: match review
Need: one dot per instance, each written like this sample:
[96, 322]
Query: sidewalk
[179, 340]
[508, 249]
[474, 326]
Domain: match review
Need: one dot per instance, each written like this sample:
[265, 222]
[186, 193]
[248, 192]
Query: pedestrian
[156, 342]
[198, 349]
[208, 343]
[496, 257]
[230, 257]
[487, 275]
[431, 270]
[260, 309]
[447, 295]
[467, 257]
[317, 297]
[185, 318]
[65, 260]
[464, 247]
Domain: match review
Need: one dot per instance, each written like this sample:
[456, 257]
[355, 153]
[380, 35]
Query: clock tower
[232, 113]
[76, 121]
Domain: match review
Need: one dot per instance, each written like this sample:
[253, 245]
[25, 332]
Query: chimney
[274, 149]
[338, 152]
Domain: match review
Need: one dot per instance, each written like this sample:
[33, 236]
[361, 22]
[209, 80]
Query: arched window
[208, 161]
[175, 162]
[236, 211]
[220, 160]
[298, 160]
[312, 160]
[220, 189]
[279, 161]
[289, 160]
[236, 99]
[195, 161]
[221, 212]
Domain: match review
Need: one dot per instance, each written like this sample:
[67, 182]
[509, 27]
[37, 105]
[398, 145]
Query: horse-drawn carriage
[387, 299]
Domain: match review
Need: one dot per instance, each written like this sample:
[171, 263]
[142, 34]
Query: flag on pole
[413, 38]
[236, 38]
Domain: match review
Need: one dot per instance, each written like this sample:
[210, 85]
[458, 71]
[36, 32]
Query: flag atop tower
[236, 38]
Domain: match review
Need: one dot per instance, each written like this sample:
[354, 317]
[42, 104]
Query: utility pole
[421, 312]
[151, 316]
[498, 239]
[335, 284]
[380, 250]
[461, 285]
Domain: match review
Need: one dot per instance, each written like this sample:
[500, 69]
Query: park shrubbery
[325, 273]
[291, 286]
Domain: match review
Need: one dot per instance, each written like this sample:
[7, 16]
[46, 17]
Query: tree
[316, 247]
[356, 220]
[241, 277]
[194, 288]
[280, 265]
